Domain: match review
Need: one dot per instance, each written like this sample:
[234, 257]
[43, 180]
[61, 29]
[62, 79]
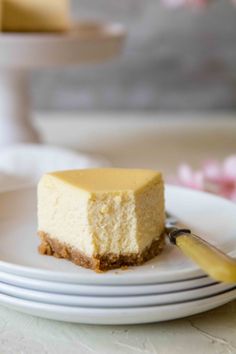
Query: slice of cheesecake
[102, 218]
[35, 15]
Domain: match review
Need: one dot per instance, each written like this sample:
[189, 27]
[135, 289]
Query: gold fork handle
[214, 262]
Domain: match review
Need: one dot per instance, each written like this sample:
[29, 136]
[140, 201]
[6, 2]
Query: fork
[213, 261]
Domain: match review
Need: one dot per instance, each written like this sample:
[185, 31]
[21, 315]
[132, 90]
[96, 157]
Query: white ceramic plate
[113, 301]
[103, 290]
[199, 211]
[114, 316]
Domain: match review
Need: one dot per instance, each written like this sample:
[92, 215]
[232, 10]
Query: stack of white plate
[167, 287]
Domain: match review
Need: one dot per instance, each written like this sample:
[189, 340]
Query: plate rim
[124, 315]
[85, 289]
[115, 300]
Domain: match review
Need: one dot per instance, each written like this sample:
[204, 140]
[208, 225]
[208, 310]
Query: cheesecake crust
[99, 263]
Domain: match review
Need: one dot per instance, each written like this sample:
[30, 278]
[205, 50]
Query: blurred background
[175, 60]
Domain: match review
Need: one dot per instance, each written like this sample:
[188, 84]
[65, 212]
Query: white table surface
[135, 140]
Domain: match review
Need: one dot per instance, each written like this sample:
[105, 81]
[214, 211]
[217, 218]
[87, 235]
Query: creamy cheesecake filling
[150, 214]
[62, 214]
[112, 222]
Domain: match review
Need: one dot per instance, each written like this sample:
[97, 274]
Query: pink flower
[229, 169]
[212, 171]
[214, 177]
[190, 178]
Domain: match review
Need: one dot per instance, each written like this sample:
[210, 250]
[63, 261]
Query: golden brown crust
[52, 247]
